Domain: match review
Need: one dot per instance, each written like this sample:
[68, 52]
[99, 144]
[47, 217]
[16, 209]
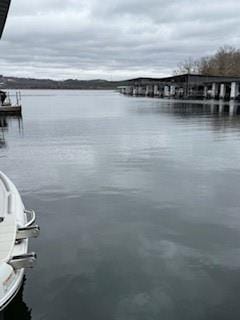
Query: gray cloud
[113, 39]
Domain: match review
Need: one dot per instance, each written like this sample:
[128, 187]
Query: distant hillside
[28, 83]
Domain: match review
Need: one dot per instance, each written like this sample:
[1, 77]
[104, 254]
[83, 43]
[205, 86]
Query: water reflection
[17, 309]
[138, 200]
[5, 122]
[204, 107]
[220, 115]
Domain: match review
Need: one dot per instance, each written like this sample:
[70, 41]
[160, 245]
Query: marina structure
[186, 86]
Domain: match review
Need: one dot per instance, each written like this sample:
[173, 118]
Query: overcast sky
[113, 39]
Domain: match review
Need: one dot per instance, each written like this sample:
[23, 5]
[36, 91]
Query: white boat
[17, 225]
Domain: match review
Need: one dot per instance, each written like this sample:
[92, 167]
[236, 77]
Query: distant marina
[187, 86]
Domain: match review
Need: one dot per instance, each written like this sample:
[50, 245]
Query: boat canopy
[4, 7]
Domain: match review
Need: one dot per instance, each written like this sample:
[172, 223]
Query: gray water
[138, 200]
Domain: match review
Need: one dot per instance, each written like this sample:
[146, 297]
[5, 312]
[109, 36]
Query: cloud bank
[113, 39]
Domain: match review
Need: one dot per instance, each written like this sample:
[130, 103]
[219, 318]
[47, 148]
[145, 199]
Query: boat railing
[31, 217]
[17, 96]
[30, 229]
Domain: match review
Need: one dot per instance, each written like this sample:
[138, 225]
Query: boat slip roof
[7, 221]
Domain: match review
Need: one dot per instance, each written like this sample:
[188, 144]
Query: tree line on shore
[225, 62]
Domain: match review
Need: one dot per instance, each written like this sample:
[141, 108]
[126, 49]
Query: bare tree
[187, 66]
[225, 62]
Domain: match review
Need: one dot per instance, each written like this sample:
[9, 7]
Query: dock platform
[11, 110]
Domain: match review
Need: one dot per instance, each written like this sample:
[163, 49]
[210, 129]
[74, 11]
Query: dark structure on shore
[186, 86]
[4, 7]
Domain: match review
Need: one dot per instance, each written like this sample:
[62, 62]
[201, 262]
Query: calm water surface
[138, 200]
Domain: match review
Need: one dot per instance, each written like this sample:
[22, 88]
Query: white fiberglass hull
[15, 229]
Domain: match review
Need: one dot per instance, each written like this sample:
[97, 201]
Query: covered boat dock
[186, 86]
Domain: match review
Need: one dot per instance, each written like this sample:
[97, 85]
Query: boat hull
[14, 219]
[13, 292]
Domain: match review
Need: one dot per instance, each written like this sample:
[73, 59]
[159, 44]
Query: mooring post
[155, 90]
[205, 91]
[166, 91]
[172, 90]
[17, 99]
[141, 91]
[234, 90]
[147, 91]
[214, 90]
[222, 91]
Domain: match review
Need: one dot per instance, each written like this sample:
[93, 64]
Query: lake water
[138, 200]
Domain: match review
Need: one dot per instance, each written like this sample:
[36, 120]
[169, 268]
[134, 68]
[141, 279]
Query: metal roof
[4, 7]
